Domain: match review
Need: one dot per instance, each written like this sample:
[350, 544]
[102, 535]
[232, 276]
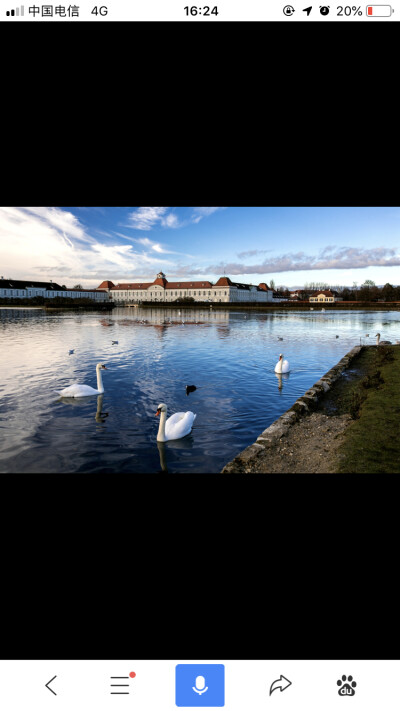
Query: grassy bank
[370, 393]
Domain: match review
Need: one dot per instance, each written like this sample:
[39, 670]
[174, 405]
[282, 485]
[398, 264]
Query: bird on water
[178, 425]
[78, 390]
[382, 343]
[282, 366]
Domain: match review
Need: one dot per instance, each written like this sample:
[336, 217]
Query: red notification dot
[132, 675]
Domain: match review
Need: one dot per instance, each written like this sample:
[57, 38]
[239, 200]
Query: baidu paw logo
[346, 689]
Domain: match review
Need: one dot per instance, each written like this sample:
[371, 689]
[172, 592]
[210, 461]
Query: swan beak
[104, 367]
[157, 413]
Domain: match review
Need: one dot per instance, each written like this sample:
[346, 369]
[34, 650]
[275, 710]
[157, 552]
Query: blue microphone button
[200, 685]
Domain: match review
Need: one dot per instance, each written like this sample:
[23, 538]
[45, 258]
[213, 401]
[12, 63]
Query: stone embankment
[256, 457]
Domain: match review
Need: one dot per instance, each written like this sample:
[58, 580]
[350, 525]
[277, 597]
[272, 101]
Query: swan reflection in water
[163, 447]
[281, 377]
[78, 402]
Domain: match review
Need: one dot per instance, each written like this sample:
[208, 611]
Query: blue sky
[291, 245]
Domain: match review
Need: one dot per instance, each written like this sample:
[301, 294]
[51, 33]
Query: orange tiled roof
[132, 286]
[325, 293]
[162, 281]
[224, 281]
[189, 285]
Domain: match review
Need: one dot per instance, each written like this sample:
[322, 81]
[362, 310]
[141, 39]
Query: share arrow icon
[281, 684]
[307, 10]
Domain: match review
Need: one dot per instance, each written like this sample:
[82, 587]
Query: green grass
[372, 397]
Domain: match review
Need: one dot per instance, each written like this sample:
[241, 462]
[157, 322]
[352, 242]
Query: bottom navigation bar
[162, 685]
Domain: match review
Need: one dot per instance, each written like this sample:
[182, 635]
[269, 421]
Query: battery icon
[379, 10]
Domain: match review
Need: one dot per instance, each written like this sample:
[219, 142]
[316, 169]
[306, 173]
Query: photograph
[199, 340]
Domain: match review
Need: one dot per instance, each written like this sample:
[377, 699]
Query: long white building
[26, 289]
[160, 289]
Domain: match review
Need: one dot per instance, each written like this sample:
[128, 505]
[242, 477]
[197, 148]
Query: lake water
[229, 355]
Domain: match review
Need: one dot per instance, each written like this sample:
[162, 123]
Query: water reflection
[174, 446]
[232, 368]
[169, 316]
[281, 377]
[99, 414]
[163, 460]
[83, 402]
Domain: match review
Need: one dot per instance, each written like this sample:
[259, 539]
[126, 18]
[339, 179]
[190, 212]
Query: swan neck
[161, 428]
[100, 386]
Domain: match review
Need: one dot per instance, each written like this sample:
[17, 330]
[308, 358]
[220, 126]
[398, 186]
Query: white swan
[77, 390]
[177, 426]
[282, 366]
[382, 343]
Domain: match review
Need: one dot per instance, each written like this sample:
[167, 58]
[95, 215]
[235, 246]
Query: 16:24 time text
[194, 10]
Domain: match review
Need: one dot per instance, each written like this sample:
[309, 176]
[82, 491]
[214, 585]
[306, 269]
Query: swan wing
[77, 390]
[179, 424]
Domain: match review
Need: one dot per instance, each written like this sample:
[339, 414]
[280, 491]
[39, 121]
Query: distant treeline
[366, 292]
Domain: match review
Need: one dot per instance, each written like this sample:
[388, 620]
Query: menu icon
[119, 685]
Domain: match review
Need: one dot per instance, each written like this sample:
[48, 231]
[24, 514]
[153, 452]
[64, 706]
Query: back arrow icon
[279, 684]
[307, 10]
[49, 682]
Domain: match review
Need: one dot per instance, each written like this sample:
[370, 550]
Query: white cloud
[342, 258]
[51, 243]
[170, 220]
[144, 218]
[200, 212]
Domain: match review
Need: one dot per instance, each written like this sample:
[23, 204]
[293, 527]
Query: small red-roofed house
[322, 296]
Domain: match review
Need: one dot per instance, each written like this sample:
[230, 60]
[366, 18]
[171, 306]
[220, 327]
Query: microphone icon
[200, 685]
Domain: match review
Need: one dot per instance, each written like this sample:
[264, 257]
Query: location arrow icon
[49, 682]
[279, 684]
[307, 10]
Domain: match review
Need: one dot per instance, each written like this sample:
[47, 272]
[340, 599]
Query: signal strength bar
[18, 12]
